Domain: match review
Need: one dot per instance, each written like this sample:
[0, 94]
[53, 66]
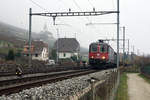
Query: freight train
[101, 55]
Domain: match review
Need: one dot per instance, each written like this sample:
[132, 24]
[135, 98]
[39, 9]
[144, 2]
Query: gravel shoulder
[138, 88]
[57, 91]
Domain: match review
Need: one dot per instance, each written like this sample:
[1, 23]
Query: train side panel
[111, 55]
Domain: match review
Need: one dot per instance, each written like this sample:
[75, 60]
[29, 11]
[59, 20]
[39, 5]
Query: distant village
[43, 47]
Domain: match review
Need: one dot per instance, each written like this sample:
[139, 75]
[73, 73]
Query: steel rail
[21, 84]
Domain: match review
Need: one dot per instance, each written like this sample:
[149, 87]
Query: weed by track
[122, 92]
[145, 78]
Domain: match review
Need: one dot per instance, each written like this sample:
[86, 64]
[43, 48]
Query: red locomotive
[101, 53]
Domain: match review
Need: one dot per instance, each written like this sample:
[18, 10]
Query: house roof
[37, 47]
[67, 45]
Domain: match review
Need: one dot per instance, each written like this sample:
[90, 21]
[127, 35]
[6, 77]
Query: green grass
[4, 50]
[145, 78]
[122, 92]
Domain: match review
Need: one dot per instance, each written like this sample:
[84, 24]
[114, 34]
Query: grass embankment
[145, 78]
[122, 92]
[6, 50]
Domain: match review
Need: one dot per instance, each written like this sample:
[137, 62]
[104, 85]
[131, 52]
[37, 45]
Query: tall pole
[133, 55]
[118, 22]
[133, 49]
[123, 45]
[30, 25]
[57, 45]
[128, 47]
[118, 26]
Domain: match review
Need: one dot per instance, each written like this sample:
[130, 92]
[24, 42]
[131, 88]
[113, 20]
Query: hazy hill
[84, 51]
[18, 36]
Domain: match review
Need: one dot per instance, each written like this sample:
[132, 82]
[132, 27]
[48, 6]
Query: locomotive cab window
[103, 48]
[93, 48]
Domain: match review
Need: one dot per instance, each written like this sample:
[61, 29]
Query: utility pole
[128, 47]
[57, 45]
[30, 25]
[118, 22]
[123, 45]
[133, 56]
[133, 49]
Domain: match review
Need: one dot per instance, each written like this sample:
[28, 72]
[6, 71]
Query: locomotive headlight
[92, 57]
[103, 57]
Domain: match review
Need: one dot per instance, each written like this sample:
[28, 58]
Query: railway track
[51, 69]
[9, 86]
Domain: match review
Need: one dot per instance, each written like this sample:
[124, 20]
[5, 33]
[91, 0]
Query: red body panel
[101, 54]
[98, 55]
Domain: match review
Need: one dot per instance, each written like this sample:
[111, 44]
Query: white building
[42, 55]
[67, 47]
[39, 50]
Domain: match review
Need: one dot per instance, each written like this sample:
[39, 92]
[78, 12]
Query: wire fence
[145, 71]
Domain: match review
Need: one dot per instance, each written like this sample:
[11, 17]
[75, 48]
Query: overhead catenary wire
[91, 4]
[37, 4]
[65, 4]
[77, 5]
[41, 7]
[86, 17]
[80, 9]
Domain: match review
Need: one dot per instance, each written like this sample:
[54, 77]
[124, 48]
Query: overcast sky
[134, 14]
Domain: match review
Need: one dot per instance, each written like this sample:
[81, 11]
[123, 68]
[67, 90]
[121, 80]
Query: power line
[77, 5]
[91, 4]
[48, 11]
[41, 7]
[38, 5]
[81, 10]
[65, 4]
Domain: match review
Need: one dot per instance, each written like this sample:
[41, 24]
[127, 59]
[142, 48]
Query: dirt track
[138, 88]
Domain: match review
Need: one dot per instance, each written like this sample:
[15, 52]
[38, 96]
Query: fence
[146, 71]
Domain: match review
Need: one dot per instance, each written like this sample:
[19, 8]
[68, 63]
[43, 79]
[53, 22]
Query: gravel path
[138, 88]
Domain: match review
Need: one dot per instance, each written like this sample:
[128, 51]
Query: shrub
[10, 55]
[74, 58]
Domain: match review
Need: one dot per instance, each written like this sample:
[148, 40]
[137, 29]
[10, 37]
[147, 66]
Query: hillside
[17, 36]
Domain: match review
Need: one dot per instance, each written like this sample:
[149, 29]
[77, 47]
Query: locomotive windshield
[93, 48]
[103, 48]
